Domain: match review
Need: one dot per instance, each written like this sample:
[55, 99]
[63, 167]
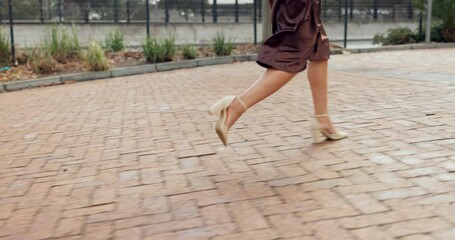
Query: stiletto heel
[220, 107]
[320, 135]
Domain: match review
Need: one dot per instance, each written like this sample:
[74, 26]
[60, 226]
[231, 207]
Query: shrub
[4, 50]
[40, 60]
[63, 46]
[153, 50]
[443, 13]
[395, 36]
[115, 41]
[448, 35]
[95, 59]
[169, 48]
[436, 29]
[221, 46]
[189, 52]
[159, 50]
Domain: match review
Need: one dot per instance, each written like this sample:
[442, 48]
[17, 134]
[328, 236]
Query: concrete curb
[403, 47]
[175, 65]
[13, 86]
[87, 76]
[135, 70]
[120, 72]
[160, 67]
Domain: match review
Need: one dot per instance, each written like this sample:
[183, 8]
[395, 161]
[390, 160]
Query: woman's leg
[317, 76]
[266, 85]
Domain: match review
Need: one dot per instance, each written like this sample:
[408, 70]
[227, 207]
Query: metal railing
[192, 11]
[168, 11]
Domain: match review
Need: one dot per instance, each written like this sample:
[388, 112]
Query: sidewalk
[137, 157]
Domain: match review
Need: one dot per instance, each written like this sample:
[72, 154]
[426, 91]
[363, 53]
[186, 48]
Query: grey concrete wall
[365, 31]
[27, 35]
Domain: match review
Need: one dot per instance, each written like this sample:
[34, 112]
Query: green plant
[153, 51]
[159, 50]
[4, 50]
[115, 41]
[395, 36]
[62, 45]
[169, 48]
[444, 17]
[40, 59]
[95, 59]
[221, 46]
[436, 29]
[189, 52]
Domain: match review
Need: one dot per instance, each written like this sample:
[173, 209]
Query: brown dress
[298, 36]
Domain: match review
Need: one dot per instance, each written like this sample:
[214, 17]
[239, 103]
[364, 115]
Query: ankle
[326, 124]
[236, 107]
[324, 114]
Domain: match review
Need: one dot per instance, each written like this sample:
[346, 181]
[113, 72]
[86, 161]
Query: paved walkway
[137, 157]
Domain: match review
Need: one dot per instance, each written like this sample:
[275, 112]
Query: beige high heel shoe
[220, 108]
[320, 135]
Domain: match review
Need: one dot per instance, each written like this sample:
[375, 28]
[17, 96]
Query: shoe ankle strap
[322, 115]
[241, 103]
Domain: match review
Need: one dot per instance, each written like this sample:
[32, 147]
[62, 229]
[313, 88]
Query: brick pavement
[137, 157]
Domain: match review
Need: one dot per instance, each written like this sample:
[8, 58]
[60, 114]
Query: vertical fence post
[215, 11]
[259, 11]
[116, 11]
[255, 16]
[236, 11]
[428, 26]
[375, 10]
[166, 11]
[393, 12]
[49, 10]
[324, 10]
[1, 11]
[203, 10]
[128, 11]
[60, 10]
[339, 10]
[88, 8]
[351, 10]
[41, 11]
[13, 49]
[410, 10]
[346, 7]
[147, 7]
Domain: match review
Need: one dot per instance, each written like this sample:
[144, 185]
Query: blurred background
[196, 21]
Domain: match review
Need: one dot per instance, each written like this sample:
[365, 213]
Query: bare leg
[317, 76]
[266, 85]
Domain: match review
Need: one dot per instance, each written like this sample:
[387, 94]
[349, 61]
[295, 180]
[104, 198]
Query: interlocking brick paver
[444, 233]
[103, 230]
[137, 158]
[418, 237]
[365, 203]
[69, 226]
[288, 225]
[142, 220]
[330, 229]
[247, 216]
[129, 234]
[426, 225]
[372, 233]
